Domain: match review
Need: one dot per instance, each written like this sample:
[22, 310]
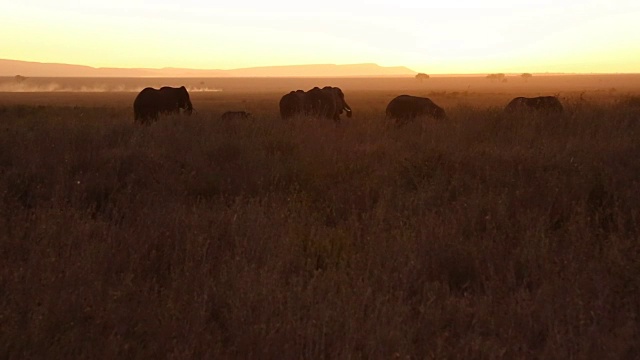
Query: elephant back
[546, 104]
[407, 107]
[231, 115]
[293, 103]
[150, 102]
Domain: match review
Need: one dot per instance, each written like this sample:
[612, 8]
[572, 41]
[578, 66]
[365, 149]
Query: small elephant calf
[229, 115]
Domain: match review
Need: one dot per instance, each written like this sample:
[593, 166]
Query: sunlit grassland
[484, 236]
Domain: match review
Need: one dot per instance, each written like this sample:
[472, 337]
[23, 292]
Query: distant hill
[37, 69]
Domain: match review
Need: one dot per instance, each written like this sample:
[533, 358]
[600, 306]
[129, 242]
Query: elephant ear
[338, 95]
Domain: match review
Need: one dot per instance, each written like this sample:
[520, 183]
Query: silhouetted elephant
[407, 107]
[547, 104]
[328, 102]
[151, 102]
[294, 103]
[229, 115]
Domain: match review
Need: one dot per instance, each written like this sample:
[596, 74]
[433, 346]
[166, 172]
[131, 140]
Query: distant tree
[497, 77]
[20, 78]
[526, 76]
[422, 76]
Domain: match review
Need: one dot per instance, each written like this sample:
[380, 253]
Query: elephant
[229, 115]
[404, 108]
[294, 103]
[546, 104]
[151, 102]
[327, 102]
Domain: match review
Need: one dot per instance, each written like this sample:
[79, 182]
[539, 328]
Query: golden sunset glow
[453, 37]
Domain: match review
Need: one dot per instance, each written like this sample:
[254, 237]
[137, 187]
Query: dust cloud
[55, 87]
[88, 86]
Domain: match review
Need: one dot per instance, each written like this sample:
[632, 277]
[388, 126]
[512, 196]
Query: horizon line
[470, 74]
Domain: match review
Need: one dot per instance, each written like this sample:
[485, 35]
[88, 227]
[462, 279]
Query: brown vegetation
[484, 236]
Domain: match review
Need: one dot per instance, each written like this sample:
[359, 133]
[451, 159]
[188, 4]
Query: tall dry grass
[485, 236]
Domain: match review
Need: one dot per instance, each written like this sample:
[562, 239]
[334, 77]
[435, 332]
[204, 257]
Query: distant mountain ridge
[38, 69]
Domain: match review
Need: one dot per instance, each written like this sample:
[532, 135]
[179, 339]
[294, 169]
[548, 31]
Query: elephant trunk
[189, 108]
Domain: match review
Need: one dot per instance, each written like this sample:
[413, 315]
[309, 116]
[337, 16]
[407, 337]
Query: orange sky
[457, 37]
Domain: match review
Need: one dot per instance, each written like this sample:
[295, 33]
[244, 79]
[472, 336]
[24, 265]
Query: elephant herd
[327, 102]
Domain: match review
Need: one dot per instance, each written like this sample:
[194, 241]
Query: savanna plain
[483, 236]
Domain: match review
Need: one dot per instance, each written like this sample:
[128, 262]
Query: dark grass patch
[481, 236]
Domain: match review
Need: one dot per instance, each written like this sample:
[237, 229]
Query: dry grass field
[485, 236]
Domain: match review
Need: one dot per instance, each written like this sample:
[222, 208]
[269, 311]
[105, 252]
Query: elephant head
[328, 102]
[187, 101]
[341, 104]
[181, 97]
